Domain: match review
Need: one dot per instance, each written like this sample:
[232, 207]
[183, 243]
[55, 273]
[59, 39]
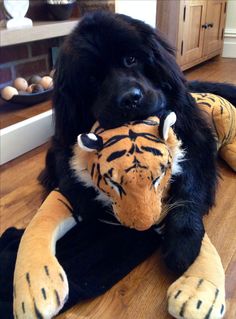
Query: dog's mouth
[151, 104]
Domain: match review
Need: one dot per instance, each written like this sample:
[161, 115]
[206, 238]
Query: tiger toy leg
[200, 292]
[40, 283]
[228, 153]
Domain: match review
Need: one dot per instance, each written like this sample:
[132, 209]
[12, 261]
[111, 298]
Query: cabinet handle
[205, 26]
[210, 25]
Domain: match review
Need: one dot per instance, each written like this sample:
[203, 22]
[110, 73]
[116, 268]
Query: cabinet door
[215, 19]
[194, 15]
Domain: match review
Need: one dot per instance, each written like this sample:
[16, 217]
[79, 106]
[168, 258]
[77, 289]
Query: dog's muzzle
[131, 99]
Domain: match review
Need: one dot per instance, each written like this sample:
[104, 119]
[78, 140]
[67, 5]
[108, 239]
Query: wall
[231, 15]
[25, 60]
[30, 58]
[229, 49]
[144, 10]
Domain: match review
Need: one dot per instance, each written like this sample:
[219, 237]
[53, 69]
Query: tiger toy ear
[166, 121]
[90, 142]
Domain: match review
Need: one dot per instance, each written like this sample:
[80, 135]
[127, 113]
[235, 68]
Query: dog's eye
[129, 61]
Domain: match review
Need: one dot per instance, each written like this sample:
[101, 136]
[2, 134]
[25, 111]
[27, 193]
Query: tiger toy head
[131, 167]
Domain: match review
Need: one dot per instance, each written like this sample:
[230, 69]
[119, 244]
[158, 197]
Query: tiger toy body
[221, 116]
[131, 169]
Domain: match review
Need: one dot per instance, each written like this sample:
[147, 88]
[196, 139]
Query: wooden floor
[141, 294]
[217, 69]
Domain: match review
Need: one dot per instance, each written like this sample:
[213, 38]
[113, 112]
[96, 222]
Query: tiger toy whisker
[108, 222]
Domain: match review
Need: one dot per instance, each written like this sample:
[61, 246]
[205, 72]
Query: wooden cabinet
[193, 33]
[194, 27]
[215, 17]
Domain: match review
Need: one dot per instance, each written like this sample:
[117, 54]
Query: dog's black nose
[131, 99]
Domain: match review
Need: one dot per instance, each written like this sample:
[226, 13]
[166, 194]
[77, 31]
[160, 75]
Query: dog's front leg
[182, 239]
[40, 283]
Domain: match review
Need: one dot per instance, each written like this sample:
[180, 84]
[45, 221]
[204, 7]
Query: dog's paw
[195, 298]
[41, 291]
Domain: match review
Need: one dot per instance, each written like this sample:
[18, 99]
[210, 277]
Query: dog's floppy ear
[162, 66]
[166, 121]
[72, 112]
[90, 142]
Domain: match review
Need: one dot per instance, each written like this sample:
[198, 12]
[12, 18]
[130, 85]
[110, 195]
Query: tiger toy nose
[130, 100]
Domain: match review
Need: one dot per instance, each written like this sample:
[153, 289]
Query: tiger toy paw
[195, 298]
[40, 291]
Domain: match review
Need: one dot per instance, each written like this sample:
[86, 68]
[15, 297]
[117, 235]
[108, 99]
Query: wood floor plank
[20, 191]
[217, 69]
[231, 288]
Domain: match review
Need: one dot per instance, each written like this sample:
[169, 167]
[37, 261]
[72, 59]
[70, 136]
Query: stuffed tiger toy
[137, 158]
[131, 168]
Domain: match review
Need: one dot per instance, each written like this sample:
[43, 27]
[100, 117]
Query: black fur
[91, 77]
[226, 90]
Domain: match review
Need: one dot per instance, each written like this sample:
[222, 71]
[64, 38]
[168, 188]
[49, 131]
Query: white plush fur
[169, 121]
[157, 182]
[113, 186]
[178, 152]
[178, 157]
[102, 197]
[61, 230]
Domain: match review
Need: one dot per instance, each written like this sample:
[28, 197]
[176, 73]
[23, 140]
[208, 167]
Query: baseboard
[229, 49]
[22, 137]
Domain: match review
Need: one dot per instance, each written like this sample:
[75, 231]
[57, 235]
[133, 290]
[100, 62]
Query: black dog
[113, 68]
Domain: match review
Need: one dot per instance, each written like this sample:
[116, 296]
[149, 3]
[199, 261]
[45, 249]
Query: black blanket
[94, 256]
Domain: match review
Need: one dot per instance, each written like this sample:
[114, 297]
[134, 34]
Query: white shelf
[18, 138]
[39, 31]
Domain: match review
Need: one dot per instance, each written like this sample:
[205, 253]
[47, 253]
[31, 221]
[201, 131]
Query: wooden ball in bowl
[46, 82]
[8, 92]
[35, 88]
[20, 84]
[34, 79]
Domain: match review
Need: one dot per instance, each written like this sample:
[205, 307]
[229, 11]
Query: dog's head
[113, 69]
